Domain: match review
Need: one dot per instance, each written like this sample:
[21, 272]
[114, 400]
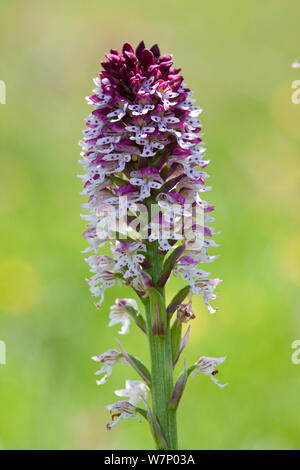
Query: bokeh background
[237, 57]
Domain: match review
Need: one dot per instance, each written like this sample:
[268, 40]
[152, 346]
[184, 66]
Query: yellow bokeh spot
[288, 259]
[20, 286]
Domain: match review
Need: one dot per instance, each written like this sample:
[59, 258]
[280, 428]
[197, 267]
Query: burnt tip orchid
[144, 171]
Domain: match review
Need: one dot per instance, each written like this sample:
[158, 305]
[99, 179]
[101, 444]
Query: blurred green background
[237, 57]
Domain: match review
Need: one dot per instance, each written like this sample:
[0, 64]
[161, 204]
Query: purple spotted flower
[147, 178]
[143, 141]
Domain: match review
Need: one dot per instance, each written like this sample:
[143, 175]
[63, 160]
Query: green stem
[161, 358]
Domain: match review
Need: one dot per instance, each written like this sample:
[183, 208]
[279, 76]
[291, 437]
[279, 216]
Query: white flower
[166, 94]
[120, 158]
[118, 113]
[105, 144]
[121, 410]
[103, 267]
[205, 288]
[140, 109]
[147, 178]
[187, 266]
[119, 314]
[188, 103]
[188, 163]
[135, 390]
[108, 359]
[103, 99]
[127, 254]
[141, 132]
[163, 122]
[296, 64]
[147, 87]
[207, 366]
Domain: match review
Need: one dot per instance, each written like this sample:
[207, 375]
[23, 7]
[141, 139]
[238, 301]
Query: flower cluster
[144, 170]
[143, 141]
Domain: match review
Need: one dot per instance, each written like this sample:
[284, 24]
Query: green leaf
[142, 412]
[170, 184]
[179, 388]
[137, 365]
[169, 264]
[176, 330]
[158, 312]
[156, 429]
[140, 367]
[118, 181]
[177, 300]
[137, 318]
[183, 344]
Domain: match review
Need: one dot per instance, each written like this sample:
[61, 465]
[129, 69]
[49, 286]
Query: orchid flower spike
[144, 175]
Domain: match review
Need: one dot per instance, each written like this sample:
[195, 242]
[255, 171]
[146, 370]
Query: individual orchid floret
[108, 359]
[207, 366]
[173, 203]
[140, 130]
[121, 410]
[103, 268]
[120, 314]
[135, 390]
[142, 283]
[165, 92]
[165, 227]
[147, 178]
[187, 266]
[128, 254]
[185, 313]
[141, 109]
[206, 287]
[120, 112]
